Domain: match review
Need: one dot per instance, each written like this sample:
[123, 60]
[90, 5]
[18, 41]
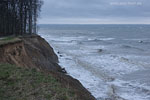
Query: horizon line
[96, 24]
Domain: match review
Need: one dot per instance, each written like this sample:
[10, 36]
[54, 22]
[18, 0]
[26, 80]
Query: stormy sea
[111, 61]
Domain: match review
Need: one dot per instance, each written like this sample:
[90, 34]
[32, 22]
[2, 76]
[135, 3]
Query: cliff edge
[34, 52]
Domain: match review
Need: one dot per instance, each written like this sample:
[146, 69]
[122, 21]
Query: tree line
[19, 17]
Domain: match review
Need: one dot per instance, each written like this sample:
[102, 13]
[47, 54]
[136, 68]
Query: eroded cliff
[34, 52]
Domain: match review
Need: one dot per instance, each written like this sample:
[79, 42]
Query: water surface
[111, 61]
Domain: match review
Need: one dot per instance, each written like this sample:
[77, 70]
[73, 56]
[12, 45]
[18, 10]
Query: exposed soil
[34, 52]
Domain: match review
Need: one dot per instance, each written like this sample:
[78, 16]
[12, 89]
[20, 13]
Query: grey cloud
[94, 9]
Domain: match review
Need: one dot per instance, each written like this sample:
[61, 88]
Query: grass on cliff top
[17, 83]
[9, 39]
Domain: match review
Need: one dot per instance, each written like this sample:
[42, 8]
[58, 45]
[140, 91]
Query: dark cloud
[95, 9]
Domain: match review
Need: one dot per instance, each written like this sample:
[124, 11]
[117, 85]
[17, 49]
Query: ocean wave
[100, 39]
[131, 90]
[131, 47]
[138, 39]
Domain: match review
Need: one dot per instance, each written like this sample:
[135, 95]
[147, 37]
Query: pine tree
[19, 17]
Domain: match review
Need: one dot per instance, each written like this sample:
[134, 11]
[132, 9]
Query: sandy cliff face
[30, 51]
[35, 52]
[14, 53]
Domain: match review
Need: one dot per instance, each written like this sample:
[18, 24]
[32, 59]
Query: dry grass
[7, 40]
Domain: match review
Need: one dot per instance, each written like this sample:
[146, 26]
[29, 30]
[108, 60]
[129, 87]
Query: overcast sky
[95, 12]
